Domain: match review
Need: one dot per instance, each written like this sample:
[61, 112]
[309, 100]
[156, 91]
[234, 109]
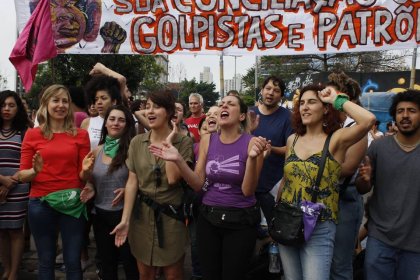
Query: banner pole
[413, 69]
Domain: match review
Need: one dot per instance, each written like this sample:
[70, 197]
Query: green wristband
[339, 102]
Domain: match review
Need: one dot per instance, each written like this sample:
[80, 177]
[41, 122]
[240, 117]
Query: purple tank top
[225, 170]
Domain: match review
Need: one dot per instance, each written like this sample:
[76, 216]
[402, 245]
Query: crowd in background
[152, 183]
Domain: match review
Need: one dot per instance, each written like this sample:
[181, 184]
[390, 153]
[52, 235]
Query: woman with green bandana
[108, 180]
[55, 158]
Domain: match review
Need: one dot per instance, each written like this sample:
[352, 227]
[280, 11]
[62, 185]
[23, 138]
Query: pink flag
[34, 45]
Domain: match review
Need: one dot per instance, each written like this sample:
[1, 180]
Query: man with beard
[392, 168]
[274, 125]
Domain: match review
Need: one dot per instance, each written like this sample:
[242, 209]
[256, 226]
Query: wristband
[339, 102]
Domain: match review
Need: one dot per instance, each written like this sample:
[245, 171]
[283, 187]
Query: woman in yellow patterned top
[315, 117]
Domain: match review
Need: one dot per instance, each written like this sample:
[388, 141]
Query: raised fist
[114, 35]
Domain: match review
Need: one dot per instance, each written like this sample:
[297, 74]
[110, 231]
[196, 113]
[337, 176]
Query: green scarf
[67, 202]
[111, 146]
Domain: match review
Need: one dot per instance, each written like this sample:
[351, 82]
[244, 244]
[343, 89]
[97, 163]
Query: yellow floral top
[300, 176]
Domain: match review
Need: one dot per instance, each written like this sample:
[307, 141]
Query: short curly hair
[409, 95]
[331, 118]
[345, 84]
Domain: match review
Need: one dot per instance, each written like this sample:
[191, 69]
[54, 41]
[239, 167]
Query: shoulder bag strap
[315, 188]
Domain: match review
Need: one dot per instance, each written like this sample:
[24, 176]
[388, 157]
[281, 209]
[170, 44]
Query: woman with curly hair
[350, 201]
[316, 117]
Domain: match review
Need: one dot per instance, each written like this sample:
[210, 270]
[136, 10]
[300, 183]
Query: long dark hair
[128, 133]
[20, 121]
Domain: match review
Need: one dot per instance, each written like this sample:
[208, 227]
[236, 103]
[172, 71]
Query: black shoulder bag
[286, 226]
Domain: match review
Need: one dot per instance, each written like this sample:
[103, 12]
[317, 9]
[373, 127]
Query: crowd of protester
[153, 183]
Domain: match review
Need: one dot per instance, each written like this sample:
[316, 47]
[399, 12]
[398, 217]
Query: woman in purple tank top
[227, 170]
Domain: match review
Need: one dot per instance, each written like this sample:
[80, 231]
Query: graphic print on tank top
[221, 167]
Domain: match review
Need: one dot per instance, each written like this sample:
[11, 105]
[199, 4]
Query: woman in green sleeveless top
[315, 117]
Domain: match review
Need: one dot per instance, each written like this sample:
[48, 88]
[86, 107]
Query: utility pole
[413, 69]
[234, 76]
[222, 79]
[256, 78]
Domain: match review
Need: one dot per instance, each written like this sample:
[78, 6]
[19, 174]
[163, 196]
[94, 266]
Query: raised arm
[254, 163]
[173, 173]
[195, 179]
[354, 155]
[99, 68]
[345, 137]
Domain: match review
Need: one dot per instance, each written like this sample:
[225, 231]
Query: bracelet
[339, 102]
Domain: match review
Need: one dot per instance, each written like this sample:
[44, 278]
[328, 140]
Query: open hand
[8, 181]
[121, 232]
[119, 196]
[165, 151]
[87, 193]
[3, 194]
[37, 162]
[174, 131]
[88, 162]
[365, 169]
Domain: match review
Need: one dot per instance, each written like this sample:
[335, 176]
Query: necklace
[405, 145]
[7, 132]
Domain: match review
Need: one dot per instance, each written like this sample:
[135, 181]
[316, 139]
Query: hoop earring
[324, 124]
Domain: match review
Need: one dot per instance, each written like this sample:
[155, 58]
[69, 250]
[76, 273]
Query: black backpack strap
[315, 188]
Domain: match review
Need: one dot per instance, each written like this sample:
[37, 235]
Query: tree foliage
[208, 92]
[142, 72]
[288, 67]
[3, 82]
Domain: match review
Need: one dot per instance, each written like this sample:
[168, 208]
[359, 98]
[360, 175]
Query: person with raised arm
[315, 118]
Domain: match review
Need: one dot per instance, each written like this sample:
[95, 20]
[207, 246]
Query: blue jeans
[44, 223]
[312, 260]
[349, 220]
[386, 262]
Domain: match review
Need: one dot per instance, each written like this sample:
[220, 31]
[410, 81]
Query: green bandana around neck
[111, 146]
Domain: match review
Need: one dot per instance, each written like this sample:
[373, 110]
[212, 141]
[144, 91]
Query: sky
[193, 65]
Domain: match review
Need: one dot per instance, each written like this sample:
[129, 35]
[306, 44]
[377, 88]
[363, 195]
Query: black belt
[167, 209]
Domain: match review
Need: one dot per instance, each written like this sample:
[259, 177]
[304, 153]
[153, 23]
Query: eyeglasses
[158, 175]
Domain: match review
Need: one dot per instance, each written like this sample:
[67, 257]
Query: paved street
[29, 264]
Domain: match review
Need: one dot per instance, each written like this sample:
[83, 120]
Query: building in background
[163, 61]
[206, 76]
[234, 84]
